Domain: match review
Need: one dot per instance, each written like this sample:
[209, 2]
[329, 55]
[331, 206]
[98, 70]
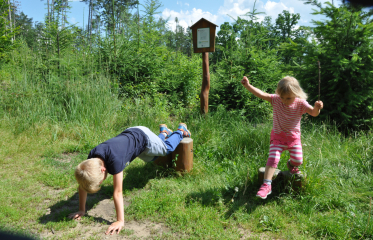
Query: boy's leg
[174, 138]
[183, 128]
[164, 129]
[173, 141]
[162, 137]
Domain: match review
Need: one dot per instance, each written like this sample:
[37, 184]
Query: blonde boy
[114, 155]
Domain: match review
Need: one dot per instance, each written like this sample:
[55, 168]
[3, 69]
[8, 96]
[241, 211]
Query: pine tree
[343, 45]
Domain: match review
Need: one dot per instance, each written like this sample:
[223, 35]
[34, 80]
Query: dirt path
[105, 211]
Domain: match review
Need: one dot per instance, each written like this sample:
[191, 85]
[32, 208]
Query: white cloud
[234, 8]
[275, 8]
[187, 18]
[73, 20]
[238, 8]
[271, 8]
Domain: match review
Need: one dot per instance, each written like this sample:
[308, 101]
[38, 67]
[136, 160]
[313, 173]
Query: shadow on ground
[136, 177]
[245, 196]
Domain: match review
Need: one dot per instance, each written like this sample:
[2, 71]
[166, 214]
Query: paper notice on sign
[203, 37]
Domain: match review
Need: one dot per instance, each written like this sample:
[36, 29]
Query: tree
[6, 35]
[285, 31]
[49, 9]
[27, 32]
[343, 45]
[105, 9]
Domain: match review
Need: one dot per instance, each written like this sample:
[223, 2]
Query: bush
[343, 45]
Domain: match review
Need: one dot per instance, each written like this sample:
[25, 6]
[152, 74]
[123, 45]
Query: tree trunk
[49, 15]
[10, 18]
[14, 17]
[52, 9]
[90, 20]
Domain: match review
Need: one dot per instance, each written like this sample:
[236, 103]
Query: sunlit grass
[46, 136]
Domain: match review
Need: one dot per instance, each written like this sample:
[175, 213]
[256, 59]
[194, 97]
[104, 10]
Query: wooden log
[164, 161]
[181, 159]
[183, 155]
[296, 180]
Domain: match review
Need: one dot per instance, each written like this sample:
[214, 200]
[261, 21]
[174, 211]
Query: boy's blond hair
[290, 85]
[88, 174]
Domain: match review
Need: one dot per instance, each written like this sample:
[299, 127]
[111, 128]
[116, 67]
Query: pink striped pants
[296, 154]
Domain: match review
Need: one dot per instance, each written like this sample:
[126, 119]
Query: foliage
[228, 149]
[71, 89]
[106, 9]
[252, 55]
[143, 57]
[6, 33]
[343, 46]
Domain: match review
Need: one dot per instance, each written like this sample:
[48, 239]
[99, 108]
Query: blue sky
[188, 11]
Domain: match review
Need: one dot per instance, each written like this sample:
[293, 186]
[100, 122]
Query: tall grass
[42, 118]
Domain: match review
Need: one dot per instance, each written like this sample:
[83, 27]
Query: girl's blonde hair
[290, 85]
[88, 174]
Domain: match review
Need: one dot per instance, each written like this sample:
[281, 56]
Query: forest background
[126, 67]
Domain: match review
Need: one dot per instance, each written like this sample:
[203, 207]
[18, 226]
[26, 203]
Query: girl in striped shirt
[289, 104]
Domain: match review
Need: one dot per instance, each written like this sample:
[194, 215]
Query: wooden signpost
[203, 33]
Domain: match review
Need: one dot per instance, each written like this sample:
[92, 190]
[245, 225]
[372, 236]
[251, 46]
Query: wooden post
[296, 180]
[318, 62]
[205, 83]
[203, 33]
[184, 155]
[164, 161]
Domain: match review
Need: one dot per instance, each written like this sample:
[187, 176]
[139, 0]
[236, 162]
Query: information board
[203, 37]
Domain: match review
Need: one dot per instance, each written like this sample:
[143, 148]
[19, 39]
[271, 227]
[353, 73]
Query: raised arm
[257, 92]
[82, 201]
[118, 202]
[315, 111]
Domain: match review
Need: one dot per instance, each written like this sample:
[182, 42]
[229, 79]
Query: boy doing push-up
[114, 155]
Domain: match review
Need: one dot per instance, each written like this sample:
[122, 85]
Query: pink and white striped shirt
[286, 121]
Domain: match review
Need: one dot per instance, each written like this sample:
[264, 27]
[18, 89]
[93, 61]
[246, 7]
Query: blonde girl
[289, 104]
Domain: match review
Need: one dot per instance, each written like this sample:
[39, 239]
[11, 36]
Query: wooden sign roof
[202, 19]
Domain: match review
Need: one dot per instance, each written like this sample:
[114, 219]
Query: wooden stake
[204, 98]
[318, 62]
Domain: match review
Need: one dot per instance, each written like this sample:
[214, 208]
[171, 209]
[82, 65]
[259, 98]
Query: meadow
[65, 89]
[45, 135]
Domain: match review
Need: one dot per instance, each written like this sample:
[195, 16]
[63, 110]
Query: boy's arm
[315, 111]
[118, 202]
[82, 201]
[257, 92]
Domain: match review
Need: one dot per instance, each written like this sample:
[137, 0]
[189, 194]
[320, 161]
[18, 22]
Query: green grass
[40, 150]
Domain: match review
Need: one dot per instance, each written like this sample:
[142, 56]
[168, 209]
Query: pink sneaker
[264, 191]
[292, 169]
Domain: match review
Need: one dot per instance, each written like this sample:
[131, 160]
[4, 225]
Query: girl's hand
[245, 81]
[77, 215]
[116, 226]
[319, 105]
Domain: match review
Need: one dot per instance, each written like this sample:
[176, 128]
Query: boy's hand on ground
[116, 226]
[245, 81]
[77, 215]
